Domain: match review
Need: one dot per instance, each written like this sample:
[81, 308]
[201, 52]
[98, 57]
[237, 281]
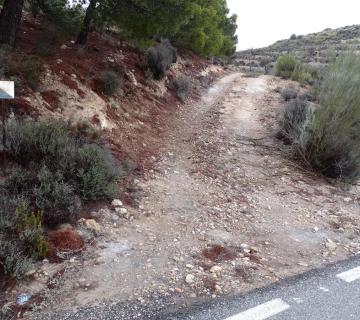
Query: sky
[263, 22]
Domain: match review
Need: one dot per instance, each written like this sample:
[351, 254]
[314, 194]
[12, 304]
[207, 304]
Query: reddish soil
[77, 64]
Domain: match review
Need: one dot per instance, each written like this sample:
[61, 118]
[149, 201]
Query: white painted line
[263, 311]
[350, 275]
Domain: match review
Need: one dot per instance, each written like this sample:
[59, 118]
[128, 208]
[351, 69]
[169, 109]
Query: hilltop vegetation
[316, 49]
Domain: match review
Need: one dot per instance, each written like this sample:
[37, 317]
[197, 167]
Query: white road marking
[350, 275]
[263, 311]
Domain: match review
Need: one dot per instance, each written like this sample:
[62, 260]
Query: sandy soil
[223, 211]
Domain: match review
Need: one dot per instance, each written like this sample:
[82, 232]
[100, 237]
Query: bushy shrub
[21, 237]
[289, 93]
[111, 82]
[295, 120]
[181, 85]
[331, 142]
[56, 170]
[285, 66]
[94, 175]
[32, 68]
[160, 58]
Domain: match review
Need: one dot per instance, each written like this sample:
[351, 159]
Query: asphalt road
[332, 293]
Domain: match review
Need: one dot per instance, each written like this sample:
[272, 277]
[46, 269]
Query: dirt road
[223, 211]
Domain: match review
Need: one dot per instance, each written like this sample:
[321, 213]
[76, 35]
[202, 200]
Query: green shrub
[111, 82]
[181, 85]
[35, 141]
[56, 170]
[94, 174]
[54, 197]
[21, 238]
[285, 66]
[331, 141]
[32, 68]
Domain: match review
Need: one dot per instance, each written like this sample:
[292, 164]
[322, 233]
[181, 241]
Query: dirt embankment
[131, 120]
[222, 211]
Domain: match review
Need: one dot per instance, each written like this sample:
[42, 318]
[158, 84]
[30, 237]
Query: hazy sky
[262, 22]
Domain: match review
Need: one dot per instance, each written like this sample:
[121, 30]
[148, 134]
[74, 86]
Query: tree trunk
[10, 18]
[90, 11]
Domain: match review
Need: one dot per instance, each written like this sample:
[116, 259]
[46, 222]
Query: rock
[63, 47]
[218, 289]
[303, 264]
[92, 225]
[219, 236]
[30, 273]
[123, 211]
[315, 229]
[189, 266]
[331, 245]
[216, 269]
[23, 299]
[116, 203]
[190, 279]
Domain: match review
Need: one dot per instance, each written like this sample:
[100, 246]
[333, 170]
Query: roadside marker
[263, 311]
[350, 275]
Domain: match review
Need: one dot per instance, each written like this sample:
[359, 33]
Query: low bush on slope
[329, 138]
[53, 173]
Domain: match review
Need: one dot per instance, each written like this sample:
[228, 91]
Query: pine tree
[10, 19]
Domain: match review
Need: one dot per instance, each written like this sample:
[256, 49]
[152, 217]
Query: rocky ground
[224, 210]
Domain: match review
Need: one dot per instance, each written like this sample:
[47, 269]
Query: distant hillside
[319, 48]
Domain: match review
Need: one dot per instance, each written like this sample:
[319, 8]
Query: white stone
[190, 278]
[116, 203]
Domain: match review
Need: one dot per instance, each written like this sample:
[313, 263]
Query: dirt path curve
[223, 211]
